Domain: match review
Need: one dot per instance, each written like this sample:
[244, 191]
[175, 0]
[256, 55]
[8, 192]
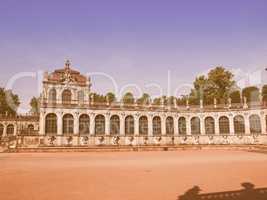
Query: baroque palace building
[70, 117]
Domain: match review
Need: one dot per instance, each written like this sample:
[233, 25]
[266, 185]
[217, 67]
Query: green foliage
[144, 99]
[264, 93]
[128, 98]
[217, 85]
[98, 98]
[35, 105]
[9, 102]
[251, 93]
[110, 97]
[235, 96]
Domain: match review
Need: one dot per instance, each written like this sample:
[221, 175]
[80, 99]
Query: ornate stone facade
[69, 117]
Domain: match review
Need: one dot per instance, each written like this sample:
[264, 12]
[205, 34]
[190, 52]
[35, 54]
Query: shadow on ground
[249, 192]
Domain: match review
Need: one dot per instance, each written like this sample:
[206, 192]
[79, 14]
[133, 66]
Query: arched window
[255, 124]
[10, 130]
[169, 126]
[100, 125]
[156, 125]
[51, 124]
[84, 124]
[182, 126]
[1, 129]
[80, 97]
[239, 124]
[68, 124]
[129, 125]
[66, 97]
[209, 126]
[224, 125]
[52, 95]
[195, 126]
[143, 125]
[115, 125]
[30, 129]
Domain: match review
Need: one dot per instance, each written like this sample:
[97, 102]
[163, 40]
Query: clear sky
[134, 41]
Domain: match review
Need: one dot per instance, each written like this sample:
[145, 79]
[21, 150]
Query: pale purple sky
[135, 42]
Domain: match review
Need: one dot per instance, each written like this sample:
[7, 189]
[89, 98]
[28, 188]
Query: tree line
[218, 84]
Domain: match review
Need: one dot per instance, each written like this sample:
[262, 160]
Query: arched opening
[129, 125]
[195, 126]
[52, 97]
[84, 124]
[224, 125]
[68, 124]
[182, 126]
[143, 125]
[239, 124]
[169, 126]
[80, 97]
[100, 125]
[156, 125]
[1, 129]
[115, 125]
[66, 97]
[30, 129]
[255, 124]
[51, 124]
[209, 126]
[10, 130]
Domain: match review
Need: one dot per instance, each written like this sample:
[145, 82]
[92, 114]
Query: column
[92, 124]
[5, 126]
[176, 128]
[163, 125]
[59, 124]
[42, 124]
[122, 125]
[188, 126]
[150, 125]
[76, 124]
[202, 125]
[136, 125]
[247, 126]
[217, 127]
[263, 124]
[107, 124]
[231, 124]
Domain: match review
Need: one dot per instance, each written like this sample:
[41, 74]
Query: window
[10, 130]
[224, 125]
[255, 124]
[143, 125]
[239, 124]
[156, 125]
[99, 125]
[52, 95]
[30, 129]
[51, 124]
[80, 97]
[129, 125]
[195, 126]
[68, 124]
[209, 126]
[84, 124]
[169, 126]
[115, 125]
[182, 126]
[1, 129]
[66, 97]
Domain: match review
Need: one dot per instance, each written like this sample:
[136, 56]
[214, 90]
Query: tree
[97, 98]
[110, 97]
[218, 84]
[144, 99]
[128, 98]
[35, 105]
[9, 102]
[251, 93]
[235, 96]
[264, 93]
